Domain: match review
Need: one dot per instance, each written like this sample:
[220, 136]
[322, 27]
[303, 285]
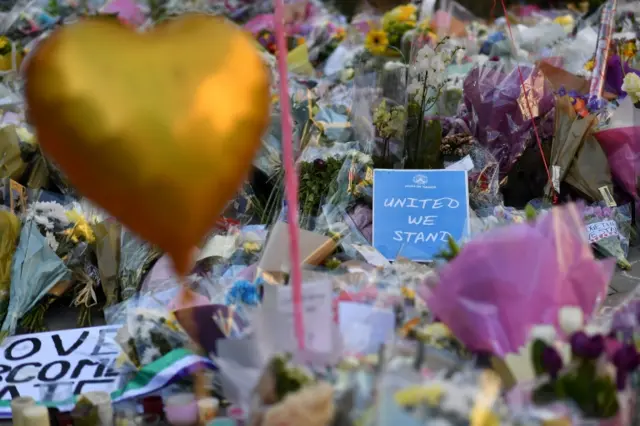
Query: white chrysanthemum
[51, 241]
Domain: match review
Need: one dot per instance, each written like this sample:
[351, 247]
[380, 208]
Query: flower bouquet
[595, 376]
[609, 230]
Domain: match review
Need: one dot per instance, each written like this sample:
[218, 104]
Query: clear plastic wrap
[495, 111]
[609, 231]
[620, 141]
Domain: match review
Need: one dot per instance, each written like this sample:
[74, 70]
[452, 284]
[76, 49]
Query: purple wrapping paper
[510, 279]
[615, 75]
[496, 113]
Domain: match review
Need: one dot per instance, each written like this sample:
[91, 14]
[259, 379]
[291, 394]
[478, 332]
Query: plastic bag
[496, 112]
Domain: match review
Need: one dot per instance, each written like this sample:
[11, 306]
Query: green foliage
[449, 253]
[595, 394]
[530, 213]
[317, 179]
[288, 379]
[389, 122]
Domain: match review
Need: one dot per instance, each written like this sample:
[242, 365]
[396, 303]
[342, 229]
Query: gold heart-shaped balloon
[158, 128]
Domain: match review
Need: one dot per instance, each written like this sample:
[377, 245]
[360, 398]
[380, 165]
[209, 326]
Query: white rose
[571, 319]
[631, 85]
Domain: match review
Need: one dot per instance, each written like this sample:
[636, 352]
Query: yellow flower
[408, 293]
[591, 63]
[437, 330]
[4, 42]
[414, 395]
[482, 416]
[81, 231]
[377, 42]
[407, 12]
[628, 50]
[251, 247]
[340, 34]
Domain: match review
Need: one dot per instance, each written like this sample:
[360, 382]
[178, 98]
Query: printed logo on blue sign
[415, 211]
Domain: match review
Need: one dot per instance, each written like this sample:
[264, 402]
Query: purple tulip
[551, 361]
[587, 347]
[627, 358]
[621, 379]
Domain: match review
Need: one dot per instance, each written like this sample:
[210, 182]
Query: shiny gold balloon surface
[158, 128]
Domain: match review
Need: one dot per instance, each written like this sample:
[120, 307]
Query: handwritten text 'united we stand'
[434, 208]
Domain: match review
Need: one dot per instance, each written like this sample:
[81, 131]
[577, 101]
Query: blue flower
[243, 292]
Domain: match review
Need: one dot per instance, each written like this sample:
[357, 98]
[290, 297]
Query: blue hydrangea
[243, 292]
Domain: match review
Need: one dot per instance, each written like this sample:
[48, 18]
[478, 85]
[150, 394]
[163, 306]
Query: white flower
[546, 333]
[51, 241]
[631, 85]
[593, 329]
[415, 88]
[571, 319]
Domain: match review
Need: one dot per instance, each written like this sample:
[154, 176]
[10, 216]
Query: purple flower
[594, 104]
[551, 361]
[562, 91]
[587, 347]
[627, 358]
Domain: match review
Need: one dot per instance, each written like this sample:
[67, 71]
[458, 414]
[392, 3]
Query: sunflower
[377, 42]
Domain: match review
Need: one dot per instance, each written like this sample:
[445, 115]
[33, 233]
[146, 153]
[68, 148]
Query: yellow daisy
[377, 42]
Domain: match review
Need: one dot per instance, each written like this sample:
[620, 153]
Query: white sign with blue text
[416, 211]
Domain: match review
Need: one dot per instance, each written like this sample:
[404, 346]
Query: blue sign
[415, 211]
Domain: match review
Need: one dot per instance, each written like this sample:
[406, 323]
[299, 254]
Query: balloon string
[290, 175]
[526, 99]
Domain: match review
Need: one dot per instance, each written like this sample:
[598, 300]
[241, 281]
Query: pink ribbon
[290, 175]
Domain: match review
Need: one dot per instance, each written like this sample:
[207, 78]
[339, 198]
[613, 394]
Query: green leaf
[545, 394]
[530, 213]
[536, 356]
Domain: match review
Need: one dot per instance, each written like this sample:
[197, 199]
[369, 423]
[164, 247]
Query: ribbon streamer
[290, 175]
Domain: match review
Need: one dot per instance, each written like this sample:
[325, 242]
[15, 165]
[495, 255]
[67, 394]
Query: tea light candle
[18, 405]
[181, 409]
[102, 401]
[207, 409]
[35, 415]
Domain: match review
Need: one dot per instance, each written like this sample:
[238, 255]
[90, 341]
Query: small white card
[317, 299]
[371, 255]
[365, 328]
[466, 164]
